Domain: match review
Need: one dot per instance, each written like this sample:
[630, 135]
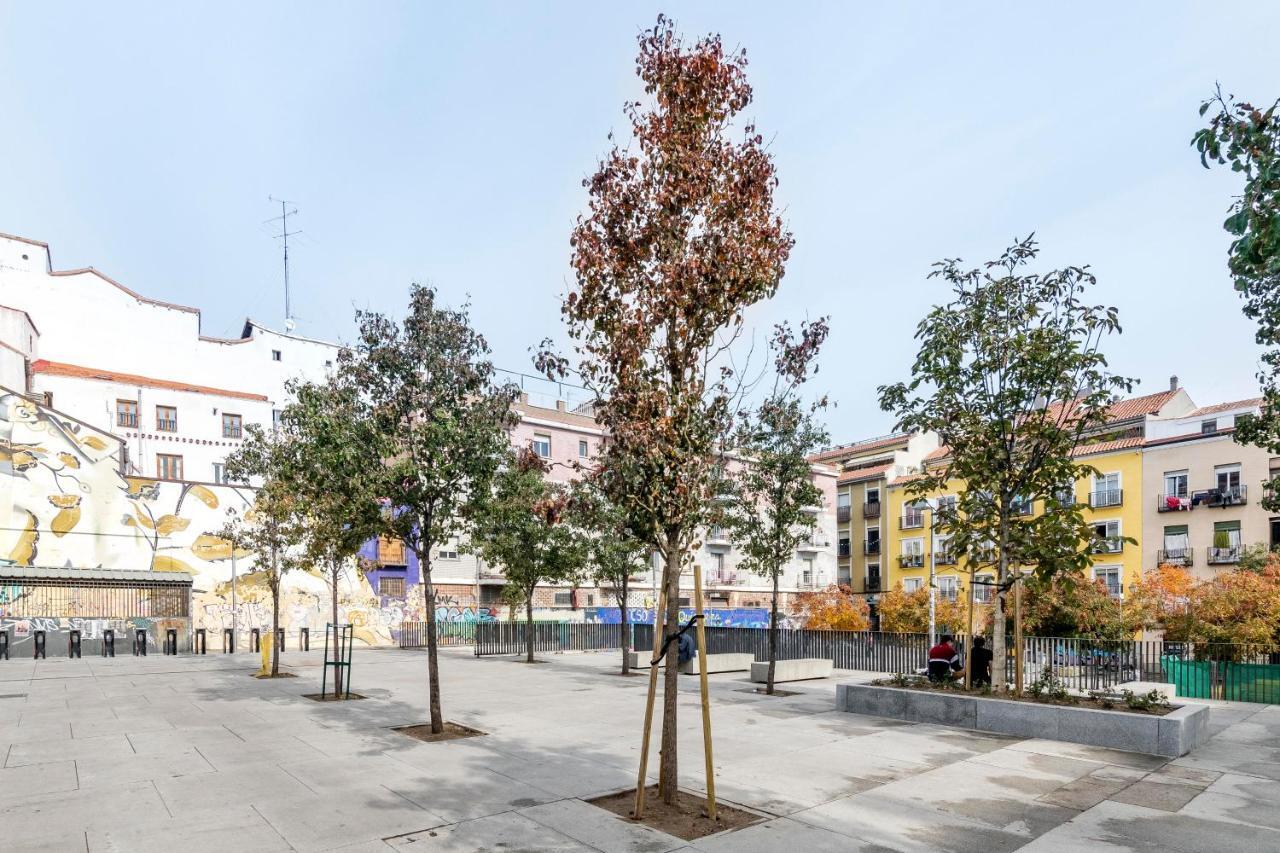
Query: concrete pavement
[192, 754]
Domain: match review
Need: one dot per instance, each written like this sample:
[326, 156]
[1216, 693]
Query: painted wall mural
[716, 617]
[65, 504]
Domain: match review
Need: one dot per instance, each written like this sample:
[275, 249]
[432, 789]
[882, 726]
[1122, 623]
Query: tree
[835, 608]
[1010, 376]
[1161, 599]
[1249, 139]
[1074, 605]
[614, 554]
[429, 426]
[775, 502]
[680, 237]
[1235, 607]
[524, 528]
[908, 612]
[272, 527]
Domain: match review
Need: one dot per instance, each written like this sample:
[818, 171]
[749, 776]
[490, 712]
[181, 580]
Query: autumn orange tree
[680, 237]
[1072, 604]
[1231, 607]
[909, 612]
[835, 608]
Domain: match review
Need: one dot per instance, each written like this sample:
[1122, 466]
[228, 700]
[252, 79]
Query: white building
[141, 368]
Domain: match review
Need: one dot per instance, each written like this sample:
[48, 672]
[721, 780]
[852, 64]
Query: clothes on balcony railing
[1173, 503]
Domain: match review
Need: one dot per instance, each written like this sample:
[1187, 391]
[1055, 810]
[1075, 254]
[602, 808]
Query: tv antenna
[284, 236]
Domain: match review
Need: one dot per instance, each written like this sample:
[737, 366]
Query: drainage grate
[13, 695]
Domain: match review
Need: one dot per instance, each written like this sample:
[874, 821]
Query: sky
[447, 144]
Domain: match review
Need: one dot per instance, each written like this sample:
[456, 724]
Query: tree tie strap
[673, 638]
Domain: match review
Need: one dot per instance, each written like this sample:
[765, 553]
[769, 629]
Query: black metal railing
[508, 638]
[1106, 497]
[413, 635]
[911, 520]
[871, 509]
[871, 546]
[911, 561]
[843, 548]
[842, 514]
[1221, 556]
[1231, 496]
[1175, 557]
[944, 558]
[1174, 503]
[873, 583]
[1108, 545]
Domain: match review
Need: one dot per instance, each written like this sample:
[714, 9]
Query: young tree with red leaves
[680, 237]
[835, 608]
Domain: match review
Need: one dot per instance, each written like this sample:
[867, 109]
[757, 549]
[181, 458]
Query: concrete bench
[797, 669]
[1142, 688]
[639, 658]
[723, 662]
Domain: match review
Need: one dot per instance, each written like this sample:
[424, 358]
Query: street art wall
[65, 504]
[716, 617]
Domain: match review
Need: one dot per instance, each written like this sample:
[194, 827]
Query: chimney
[559, 405]
[1173, 383]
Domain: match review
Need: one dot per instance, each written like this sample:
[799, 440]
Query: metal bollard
[73, 644]
[199, 641]
[304, 639]
[4, 644]
[255, 640]
[140, 642]
[228, 641]
[171, 641]
[109, 643]
[280, 639]
[38, 644]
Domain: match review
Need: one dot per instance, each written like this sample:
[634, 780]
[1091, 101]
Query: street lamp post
[931, 506]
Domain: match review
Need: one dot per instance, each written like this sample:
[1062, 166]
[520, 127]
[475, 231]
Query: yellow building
[1113, 502]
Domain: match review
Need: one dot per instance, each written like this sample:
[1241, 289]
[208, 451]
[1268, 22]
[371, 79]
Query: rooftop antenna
[284, 235]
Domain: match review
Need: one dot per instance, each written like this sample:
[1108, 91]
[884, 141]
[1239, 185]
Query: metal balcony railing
[911, 521]
[871, 546]
[125, 419]
[1174, 503]
[911, 561]
[944, 558]
[843, 550]
[165, 425]
[1108, 545]
[871, 509]
[842, 514]
[1233, 496]
[873, 583]
[1219, 556]
[1106, 497]
[1175, 557]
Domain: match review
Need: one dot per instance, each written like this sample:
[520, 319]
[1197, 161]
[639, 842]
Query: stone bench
[639, 658]
[797, 669]
[723, 662]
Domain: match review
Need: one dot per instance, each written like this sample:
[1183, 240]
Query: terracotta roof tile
[1107, 446]
[1150, 404]
[864, 474]
[860, 447]
[55, 368]
[1226, 407]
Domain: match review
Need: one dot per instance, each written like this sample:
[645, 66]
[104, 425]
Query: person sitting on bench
[980, 663]
[943, 660]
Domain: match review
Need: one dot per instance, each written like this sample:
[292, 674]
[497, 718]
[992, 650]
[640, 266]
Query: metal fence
[509, 638]
[877, 651]
[413, 635]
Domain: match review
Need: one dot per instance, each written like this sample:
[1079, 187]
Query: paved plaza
[190, 754]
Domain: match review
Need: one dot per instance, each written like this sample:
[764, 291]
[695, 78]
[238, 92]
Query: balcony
[1175, 557]
[944, 558]
[1174, 503]
[1065, 497]
[718, 539]
[1022, 507]
[811, 544]
[166, 425]
[911, 521]
[1222, 556]
[125, 419]
[1232, 496]
[911, 561]
[871, 509]
[873, 583]
[842, 514]
[843, 549]
[1108, 545]
[871, 547]
[723, 577]
[1106, 497]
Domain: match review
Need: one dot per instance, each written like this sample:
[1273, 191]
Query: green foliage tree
[775, 501]
[272, 527]
[524, 528]
[680, 237]
[1248, 138]
[428, 430]
[614, 554]
[1010, 376]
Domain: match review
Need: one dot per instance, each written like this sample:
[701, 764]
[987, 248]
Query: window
[275, 355]
[984, 588]
[913, 546]
[564, 599]
[1106, 490]
[1228, 480]
[1209, 426]
[843, 550]
[220, 473]
[913, 515]
[166, 419]
[1106, 537]
[912, 554]
[1109, 575]
[873, 495]
[127, 413]
[1226, 542]
[910, 584]
[582, 450]
[842, 500]
[232, 426]
[277, 415]
[1065, 495]
[1177, 546]
[392, 587]
[447, 552]
[168, 467]
[806, 574]
[949, 587]
[947, 503]
[1175, 484]
[719, 562]
[542, 445]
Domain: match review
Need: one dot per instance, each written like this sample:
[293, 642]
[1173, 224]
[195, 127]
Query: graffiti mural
[716, 617]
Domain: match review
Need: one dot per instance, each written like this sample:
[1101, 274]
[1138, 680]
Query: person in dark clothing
[943, 660]
[980, 663]
[686, 648]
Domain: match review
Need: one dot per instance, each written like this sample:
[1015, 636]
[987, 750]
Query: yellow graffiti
[24, 552]
[205, 495]
[164, 563]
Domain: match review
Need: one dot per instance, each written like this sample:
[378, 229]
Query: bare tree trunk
[668, 775]
[528, 626]
[333, 576]
[773, 635]
[433, 662]
[275, 615]
[626, 626]
[998, 651]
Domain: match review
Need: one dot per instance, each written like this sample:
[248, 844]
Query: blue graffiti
[716, 617]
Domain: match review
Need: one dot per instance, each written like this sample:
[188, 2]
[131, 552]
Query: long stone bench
[796, 669]
[723, 662]
[639, 658]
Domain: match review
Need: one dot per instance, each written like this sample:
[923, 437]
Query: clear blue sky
[447, 144]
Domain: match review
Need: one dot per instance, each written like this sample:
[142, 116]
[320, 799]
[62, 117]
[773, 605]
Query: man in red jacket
[943, 660]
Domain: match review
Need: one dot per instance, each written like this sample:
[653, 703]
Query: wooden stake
[706, 702]
[1017, 634]
[659, 615]
[968, 657]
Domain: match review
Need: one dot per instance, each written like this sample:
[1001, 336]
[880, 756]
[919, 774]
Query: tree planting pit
[685, 819]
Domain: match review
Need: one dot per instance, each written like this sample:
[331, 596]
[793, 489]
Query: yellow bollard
[265, 645]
